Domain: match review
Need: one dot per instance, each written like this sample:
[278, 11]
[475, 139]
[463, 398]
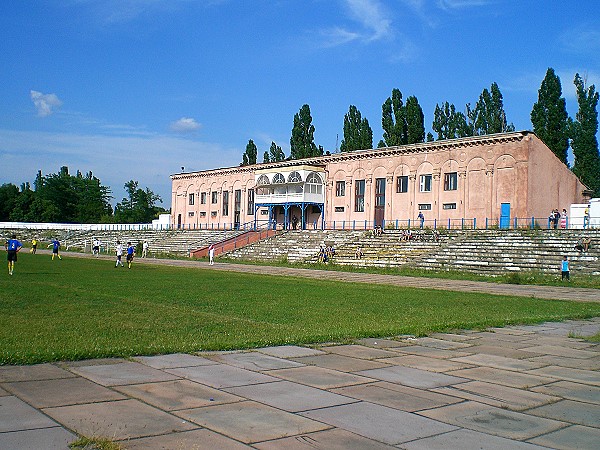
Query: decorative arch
[278, 178]
[295, 177]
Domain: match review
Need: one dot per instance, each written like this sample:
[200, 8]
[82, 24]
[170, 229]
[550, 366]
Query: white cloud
[44, 103]
[461, 4]
[372, 22]
[581, 40]
[185, 125]
[113, 159]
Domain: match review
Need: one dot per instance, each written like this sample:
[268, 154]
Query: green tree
[302, 143]
[449, 123]
[549, 116]
[583, 133]
[489, 116]
[415, 121]
[8, 198]
[250, 154]
[393, 120]
[139, 206]
[357, 132]
[266, 158]
[276, 153]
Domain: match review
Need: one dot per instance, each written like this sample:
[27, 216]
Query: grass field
[85, 308]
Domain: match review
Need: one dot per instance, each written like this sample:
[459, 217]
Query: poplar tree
[249, 156]
[415, 121]
[449, 123]
[489, 116]
[393, 121]
[275, 153]
[583, 133]
[357, 132]
[549, 116]
[302, 143]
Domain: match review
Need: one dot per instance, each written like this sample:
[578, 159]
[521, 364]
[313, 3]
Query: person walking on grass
[130, 254]
[564, 267]
[34, 244]
[55, 244]
[12, 247]
[119, 250]
[211, 254]
[96, 247]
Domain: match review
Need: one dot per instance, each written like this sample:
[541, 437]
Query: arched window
[294, 177]
[278, 179]
[314, 183]
[262, 180]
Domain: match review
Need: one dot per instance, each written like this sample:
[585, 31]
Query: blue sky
[136, 89]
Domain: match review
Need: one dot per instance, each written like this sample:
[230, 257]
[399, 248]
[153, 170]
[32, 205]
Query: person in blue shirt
[564, 267]
[55, 246]
[130, 253]
[12, 247]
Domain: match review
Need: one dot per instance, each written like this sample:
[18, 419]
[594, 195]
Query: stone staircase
[495, 252]
[294, 246]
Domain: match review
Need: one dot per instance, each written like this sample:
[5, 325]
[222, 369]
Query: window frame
[451, 181]
[340, 188]
[359, 195]
[425, 182]
[401, 184]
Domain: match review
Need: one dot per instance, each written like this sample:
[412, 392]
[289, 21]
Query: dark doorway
[379, 202]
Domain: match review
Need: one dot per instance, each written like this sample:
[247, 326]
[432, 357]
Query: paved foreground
[520, 387]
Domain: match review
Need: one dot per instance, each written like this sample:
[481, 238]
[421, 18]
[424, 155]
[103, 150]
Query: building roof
[363, 154]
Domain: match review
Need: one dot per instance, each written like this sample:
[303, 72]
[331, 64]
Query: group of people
[14, 246]
[557, 217]
[326, 253]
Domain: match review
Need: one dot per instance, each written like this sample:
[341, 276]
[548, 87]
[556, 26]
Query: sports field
[86, 308]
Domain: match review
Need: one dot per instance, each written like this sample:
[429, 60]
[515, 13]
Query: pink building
[479, 180]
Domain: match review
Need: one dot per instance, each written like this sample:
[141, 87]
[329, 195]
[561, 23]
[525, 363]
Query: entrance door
[178, 220]
[237, 207]
[505, 215]
[379, 202]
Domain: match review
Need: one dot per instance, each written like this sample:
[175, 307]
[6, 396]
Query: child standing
[565, 269]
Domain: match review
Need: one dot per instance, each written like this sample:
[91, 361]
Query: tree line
[81, 198]
[403, 123]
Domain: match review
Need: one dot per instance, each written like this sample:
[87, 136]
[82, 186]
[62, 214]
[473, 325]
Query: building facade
[479, 179]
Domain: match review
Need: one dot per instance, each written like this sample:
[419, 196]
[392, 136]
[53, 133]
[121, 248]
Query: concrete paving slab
[467, 440]
[504, 337]
[499, 396]
[289, 351]
[341, 363]
[3, 393]
[498, 362]
[251, 422]
[495, 421]
[584, 364]
[522, 330]
[412, 377]
[425, 363]
[380, 423]
[334, 439]
[505, 351]
[431, 352]
[384, 343]
[562, 341]
[442, 344]
[359, 351]
[292, 397]
[222, 376]
[575, 437]
[255, 361]
[186, 440]
[122, 373]
[571, 391]
[178, 394]
[30, 373]
[90, 362]
[173, 361]
[557, 350]
[455, 337]
[504, 377]
[570, 411]
[320, 377]
[56, 438]
[16, 415]
[62, 392]
[123, 419]
[397, 396]
[565, 373]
